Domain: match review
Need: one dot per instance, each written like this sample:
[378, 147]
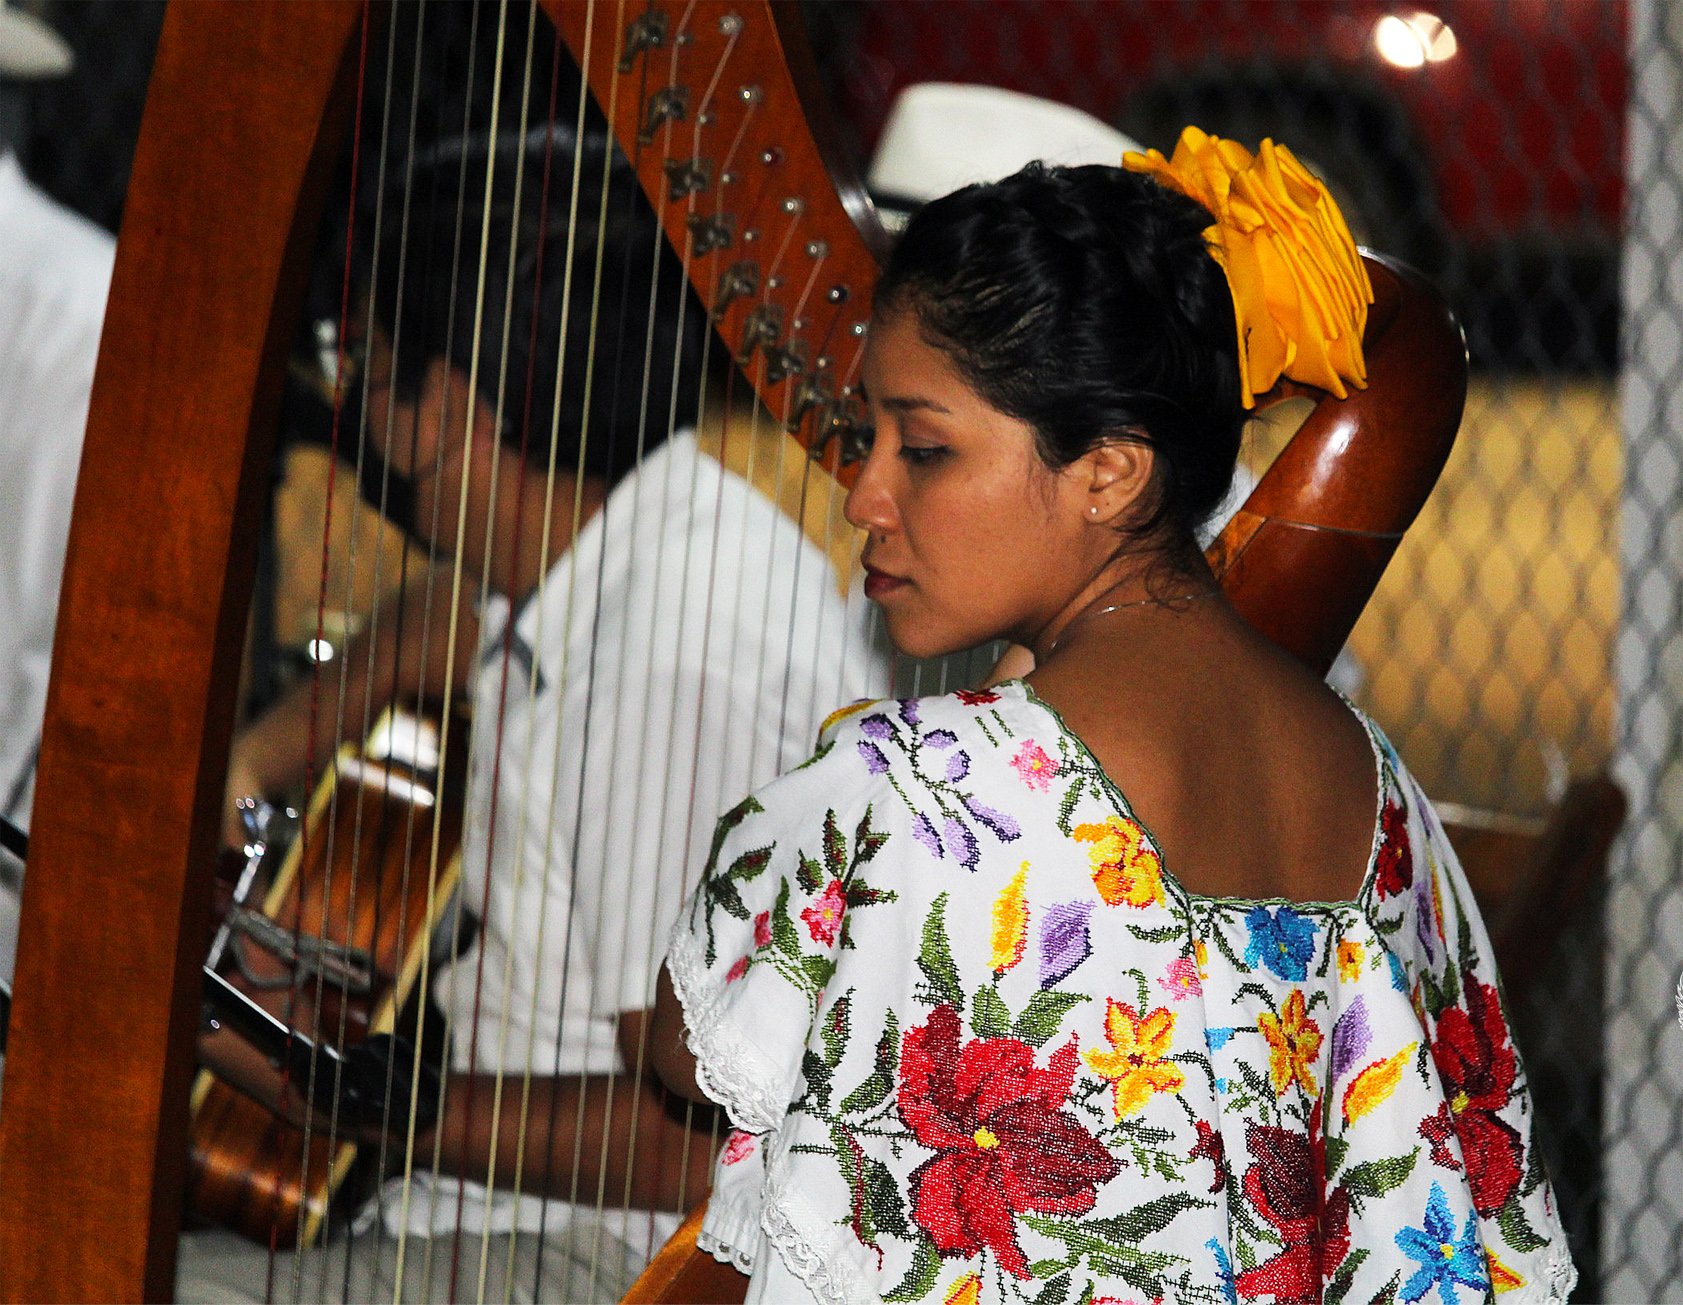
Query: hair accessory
[1300, 290]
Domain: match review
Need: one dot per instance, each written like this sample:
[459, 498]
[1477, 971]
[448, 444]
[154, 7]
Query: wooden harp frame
[249, 105]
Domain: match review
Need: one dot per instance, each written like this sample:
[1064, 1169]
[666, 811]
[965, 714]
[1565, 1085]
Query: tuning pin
[708, 234]
[669, 104]
[812, 394]
[763, 329]
[646, 32]
[687, 177]
[785, 361]
[740, 279]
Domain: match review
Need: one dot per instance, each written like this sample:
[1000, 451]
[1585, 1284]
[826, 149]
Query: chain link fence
[1516, 645]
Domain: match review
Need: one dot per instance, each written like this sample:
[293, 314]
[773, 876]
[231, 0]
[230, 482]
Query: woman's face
[970, 537]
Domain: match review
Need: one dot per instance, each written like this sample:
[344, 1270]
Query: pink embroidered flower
[738, 1147]
[1180, 980]
[1036, 768]
[762, 928]
[738, 970]
[823, 918]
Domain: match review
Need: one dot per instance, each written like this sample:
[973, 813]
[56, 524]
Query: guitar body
[249, 106]
[357, 878]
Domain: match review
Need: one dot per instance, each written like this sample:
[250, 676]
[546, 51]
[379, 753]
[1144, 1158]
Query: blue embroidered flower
[1399, 976]
[1281, 939]
[1224, 1270]
[1444, 1260]
[875, 762]
[1216, 1039]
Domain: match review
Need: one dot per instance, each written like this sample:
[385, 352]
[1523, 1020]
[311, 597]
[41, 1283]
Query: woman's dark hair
[1085, 302]
[633, 310]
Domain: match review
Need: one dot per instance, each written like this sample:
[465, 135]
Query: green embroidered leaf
[1517, 1229]
[727, 822]
[749, 864]
[835, 847]
[818, 970]
[1066, 808]
[874, 1090]
[836, 1029]
[1388, 1293]
[1140, 1269]
[988, 1015]
[808, 875]
[1339, 1287]
[1047, 1268]
[817, 1075]
[1376, 1177]
[822, 752]
[1337, 1149]
[1054, 1292]
[1168, 933]
[1044, 1014]
[783, 933]
[867, 842]
[1086, 1296]
[724, 894]
[935, 958]
[920, 1278]
[1143, 1220]
[882, 1195]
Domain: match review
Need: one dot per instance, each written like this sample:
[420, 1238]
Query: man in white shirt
[673, 646]
[55, 269]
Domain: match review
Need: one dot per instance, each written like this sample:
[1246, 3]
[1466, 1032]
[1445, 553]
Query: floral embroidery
[975, 698]
[1125, 868]
[1280, 939]
[1294, 1040]
[1445, 1260]
[963, 1108]
[1003, 1145]
[1135, 1065]
[1036, 768]
[738, 1147]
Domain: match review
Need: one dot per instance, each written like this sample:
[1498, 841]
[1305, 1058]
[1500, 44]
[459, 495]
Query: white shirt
[55, 269]
[681, 654]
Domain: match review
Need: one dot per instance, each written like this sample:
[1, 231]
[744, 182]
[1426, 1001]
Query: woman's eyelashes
[922, 455]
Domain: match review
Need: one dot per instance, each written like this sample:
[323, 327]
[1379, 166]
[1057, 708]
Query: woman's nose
[869, 505]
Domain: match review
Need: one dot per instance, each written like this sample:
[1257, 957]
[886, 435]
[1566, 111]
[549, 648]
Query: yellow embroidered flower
[966, 1291]
[1300, 290]
[1125, 868]
[1010, 922]
[1294, 1040]
[1350, 957]
[1136, 1064]
[1502, 1278]
[1370, 1088]
[1201, 954]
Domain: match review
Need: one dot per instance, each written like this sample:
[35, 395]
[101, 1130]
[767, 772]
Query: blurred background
[1523, 650]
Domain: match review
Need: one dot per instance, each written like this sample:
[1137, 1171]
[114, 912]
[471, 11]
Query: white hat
[943, 135]
[28, 47]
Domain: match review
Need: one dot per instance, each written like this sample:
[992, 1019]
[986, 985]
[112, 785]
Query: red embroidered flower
[1478, 1067]
[738, 1147]
[1287, 1186]
[1213, 1147]
[738, 970]
[762, 928]
[1003, 1145]
[1395, 863]
[974, 697]
[824, 917]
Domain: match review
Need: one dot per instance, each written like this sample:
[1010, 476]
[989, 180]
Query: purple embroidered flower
[1425, 922]
[958, 766]
[925, 833]
[1064, 941]
[1350, 1037]
[940, 738]
[1004, 828]
[875, 762]
[908, 710]
[963, 843]
[876, 727]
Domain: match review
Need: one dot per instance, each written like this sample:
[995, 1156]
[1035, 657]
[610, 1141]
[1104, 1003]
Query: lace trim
[830, 1276]
[729, 1068]
[725, 1253]
[1562, 1275]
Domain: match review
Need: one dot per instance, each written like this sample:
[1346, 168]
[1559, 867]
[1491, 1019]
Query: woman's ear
[1116, 474]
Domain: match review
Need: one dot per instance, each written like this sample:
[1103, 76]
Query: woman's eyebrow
[912, 403]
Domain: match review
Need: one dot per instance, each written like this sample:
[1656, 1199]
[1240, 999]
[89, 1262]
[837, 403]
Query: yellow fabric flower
[1300, 289]
[1350, 957]
[1294, 1040]
[1125, 868]
[1370, 1088]
[1136, 1064]
[1010, 922]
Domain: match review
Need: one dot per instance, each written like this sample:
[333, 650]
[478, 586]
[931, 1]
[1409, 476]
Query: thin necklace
[1192, 597]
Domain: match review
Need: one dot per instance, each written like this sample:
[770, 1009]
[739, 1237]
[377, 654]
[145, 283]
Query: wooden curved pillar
[156, 588]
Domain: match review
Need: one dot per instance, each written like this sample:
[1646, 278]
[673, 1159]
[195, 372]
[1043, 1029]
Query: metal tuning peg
[785, 360]
[762, 331]
[739, 280]
[647, 31]
[850, 427]
[669, 104]
[813, 395]
[709, 234]
[687, 177]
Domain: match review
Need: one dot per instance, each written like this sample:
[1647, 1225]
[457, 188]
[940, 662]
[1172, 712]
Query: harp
[249, 102]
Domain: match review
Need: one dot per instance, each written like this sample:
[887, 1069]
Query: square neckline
[1360, 900]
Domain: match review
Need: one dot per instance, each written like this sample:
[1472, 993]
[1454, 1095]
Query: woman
[1151, 975]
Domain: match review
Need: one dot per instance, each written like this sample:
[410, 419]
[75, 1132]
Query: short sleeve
[756, 946]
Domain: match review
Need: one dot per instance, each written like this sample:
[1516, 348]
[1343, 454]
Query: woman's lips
[879, 584]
